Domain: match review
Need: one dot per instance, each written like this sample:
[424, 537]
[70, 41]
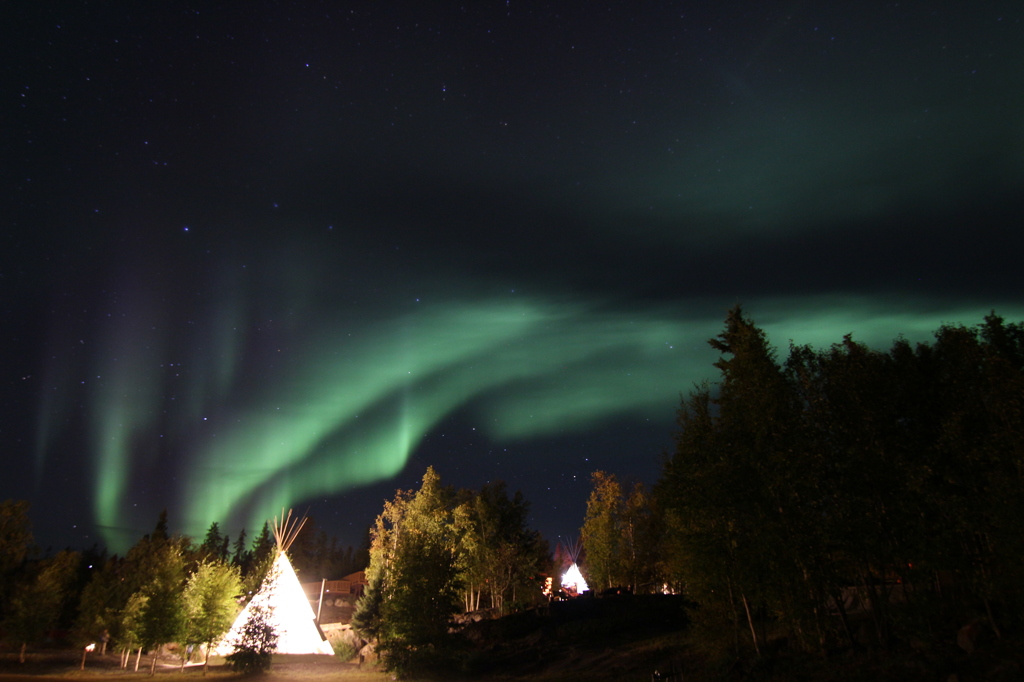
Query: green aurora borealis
[348, 409]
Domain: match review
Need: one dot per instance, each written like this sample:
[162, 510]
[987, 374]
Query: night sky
[292, 253]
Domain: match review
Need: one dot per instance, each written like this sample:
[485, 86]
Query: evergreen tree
[261, 560]
[316, 555]
[160, 530]
[366, 615]
[214, 544]
[240, 555]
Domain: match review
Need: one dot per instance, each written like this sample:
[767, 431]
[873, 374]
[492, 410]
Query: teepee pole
[287, 530]
[320, 604]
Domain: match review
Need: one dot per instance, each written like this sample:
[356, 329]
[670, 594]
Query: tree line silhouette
[839, 498]
[891, 477]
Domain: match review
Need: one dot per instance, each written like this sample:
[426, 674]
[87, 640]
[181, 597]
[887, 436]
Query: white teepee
[291, 616]
[573, 580]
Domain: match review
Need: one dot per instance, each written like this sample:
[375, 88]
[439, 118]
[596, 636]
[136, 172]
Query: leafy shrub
[345, 650]
[256, 643]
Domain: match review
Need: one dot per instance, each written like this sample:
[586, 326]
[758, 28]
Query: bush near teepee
[256, 644]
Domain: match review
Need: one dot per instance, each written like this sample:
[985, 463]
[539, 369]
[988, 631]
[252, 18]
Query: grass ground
[62, 665]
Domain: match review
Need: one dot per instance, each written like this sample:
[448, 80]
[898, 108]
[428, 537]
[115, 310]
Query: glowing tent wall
[573, 580]
[291, 616]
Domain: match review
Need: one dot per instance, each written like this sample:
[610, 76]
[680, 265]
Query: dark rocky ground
[627, 637]
[614, 638]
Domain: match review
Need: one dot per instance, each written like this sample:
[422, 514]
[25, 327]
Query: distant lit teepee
[291, 616]
[572, 579]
